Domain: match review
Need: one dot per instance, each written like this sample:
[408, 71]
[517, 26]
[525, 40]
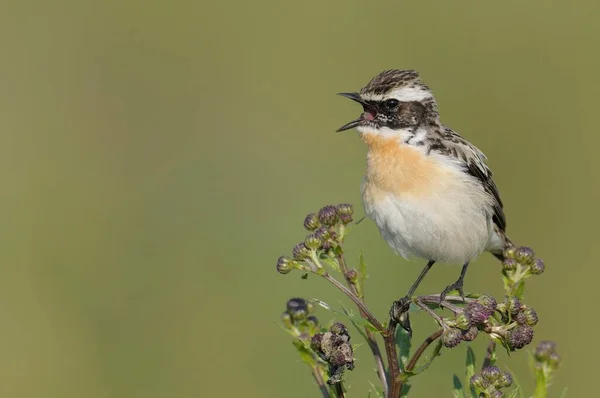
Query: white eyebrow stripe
[404, 94]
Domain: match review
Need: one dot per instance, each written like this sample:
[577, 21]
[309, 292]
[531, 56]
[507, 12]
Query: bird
[429, 190]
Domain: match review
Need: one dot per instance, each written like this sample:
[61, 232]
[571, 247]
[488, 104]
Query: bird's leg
[399, 310]
[458, 285]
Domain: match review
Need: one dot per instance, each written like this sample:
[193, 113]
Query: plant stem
[361, 306]
[413, 361]
[320, 382]
[389, 337]
[371, 341]
[339, 390]
[417, 355]
[489, 354]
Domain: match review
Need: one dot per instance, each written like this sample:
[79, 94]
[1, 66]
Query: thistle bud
[479, 383]
[520, 318]
[345, 211]
[352, 276]
[323, 234]
[505, 380]
[451, 337]
[537, 267]
[284, 265]
[554, 360]
[491, 373]
[496, 394]
[531, 317]
[509, 264]
[463, 322]
[311, 222]
[513, 305]
[470, 334]
[488, 302]
[339, 329]
[312, 321]
[509, 252]
[520, 336]
[286, 319]
[524, 255]
[297, 308]
[300, 252]
[312, 242]
[544, 350]
[315, 342]
[477, 313]
[328, 215]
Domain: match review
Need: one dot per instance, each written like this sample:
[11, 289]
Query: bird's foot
[458, 286]
[399, 313]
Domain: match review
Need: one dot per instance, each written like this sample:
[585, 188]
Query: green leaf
[421, 367]
[306, 354]
[470, 370]
[376, 390]
[457, 391]
[520, 290]
[403, 343]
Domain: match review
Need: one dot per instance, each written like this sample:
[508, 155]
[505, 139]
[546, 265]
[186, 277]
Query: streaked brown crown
[391, 79]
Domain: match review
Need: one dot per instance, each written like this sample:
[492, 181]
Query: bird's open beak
[368, 109]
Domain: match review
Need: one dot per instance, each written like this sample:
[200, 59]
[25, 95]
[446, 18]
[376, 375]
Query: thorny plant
[508, 322]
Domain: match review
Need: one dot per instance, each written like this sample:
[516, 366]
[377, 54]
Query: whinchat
[428, 189]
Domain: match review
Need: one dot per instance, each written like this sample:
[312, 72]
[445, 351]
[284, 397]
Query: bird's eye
[392, 103]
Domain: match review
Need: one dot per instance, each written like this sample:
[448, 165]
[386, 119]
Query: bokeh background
[157, 157]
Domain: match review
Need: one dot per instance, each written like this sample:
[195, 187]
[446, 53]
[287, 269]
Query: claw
[458, 286]
[399, 313]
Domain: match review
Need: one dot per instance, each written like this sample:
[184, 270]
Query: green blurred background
[157, 157]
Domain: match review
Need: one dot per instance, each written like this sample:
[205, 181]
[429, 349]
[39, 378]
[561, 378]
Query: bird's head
[393, 102]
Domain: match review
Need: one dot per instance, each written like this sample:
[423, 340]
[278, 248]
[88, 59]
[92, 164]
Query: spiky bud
[286, 319]
[300, 252]
[311, 222]
[509, 252]
[312, 242]
[520, 336]
[531, 317]
[345, 212]
[477, 313]
[297, 308]
[488, 302]
[312, 321]
[509, 264]
[328, 215]
[339, 329]
[524, 255]
[537, 267]
[544, 350]
[470, 334]
[505, 380]
[284, 265]
[352, 276]
[451, 337]
[496, 394]
[554, 360]
[520, 318]
[491, 373]
[513, 305]
[323, 234]
[479, 383]
[315, 342]
[463, 322]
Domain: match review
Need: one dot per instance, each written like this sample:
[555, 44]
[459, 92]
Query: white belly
[449, 224]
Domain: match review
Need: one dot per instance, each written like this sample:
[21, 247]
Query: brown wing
[474, 163]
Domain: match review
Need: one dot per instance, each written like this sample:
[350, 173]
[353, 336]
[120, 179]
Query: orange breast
[393, 167]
